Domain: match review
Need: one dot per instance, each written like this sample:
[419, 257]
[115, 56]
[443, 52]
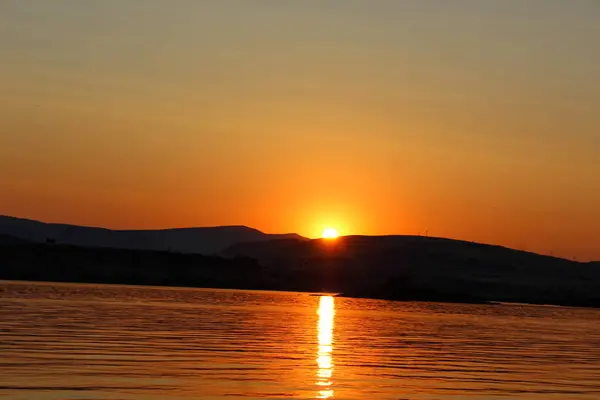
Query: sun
[330, 233]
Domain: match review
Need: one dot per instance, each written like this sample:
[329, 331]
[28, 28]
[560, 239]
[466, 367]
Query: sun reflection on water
[326, 313]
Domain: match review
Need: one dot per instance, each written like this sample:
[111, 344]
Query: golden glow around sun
[330, 233]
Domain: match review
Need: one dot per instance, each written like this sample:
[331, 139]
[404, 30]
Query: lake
[68, 341]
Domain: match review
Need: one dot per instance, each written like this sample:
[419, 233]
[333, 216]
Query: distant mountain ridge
[202, 240]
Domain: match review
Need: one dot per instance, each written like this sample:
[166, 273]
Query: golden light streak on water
[326, 312]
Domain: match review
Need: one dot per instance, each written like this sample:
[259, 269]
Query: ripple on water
[62, 341]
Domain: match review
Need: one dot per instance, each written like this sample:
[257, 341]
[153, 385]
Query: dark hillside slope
[8, 239]
[425, 268]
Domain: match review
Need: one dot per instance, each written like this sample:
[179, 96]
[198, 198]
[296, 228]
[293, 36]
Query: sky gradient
[470, 119]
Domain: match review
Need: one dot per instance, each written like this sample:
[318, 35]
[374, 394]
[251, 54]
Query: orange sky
[375, 118]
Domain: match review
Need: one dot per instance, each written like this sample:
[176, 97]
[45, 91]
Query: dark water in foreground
[63, 341]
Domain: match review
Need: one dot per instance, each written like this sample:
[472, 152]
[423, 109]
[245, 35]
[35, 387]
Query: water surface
[65, 341]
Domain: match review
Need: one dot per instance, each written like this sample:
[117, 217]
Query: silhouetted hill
[386, 267]
[425, 268]
[186, 240]
[8, 239]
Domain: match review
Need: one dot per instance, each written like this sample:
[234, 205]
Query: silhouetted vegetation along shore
[61, 263]
[393, 268]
